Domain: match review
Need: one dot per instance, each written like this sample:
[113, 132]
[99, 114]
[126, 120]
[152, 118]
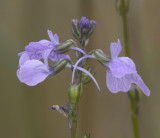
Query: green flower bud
[75, 29]
[99, 55]
[92, 28]
[85, 78]
[83, 29]
[74, 94]
[122, 6]
[135, 93]
[66, 45]
[60, 65]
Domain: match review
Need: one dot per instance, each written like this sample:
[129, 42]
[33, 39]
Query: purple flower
[35, 50]
[122, 72]
[32, 72]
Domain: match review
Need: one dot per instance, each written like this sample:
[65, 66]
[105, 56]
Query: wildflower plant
[34, 68]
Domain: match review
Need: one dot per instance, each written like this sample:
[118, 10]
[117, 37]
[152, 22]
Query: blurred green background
[25, 111]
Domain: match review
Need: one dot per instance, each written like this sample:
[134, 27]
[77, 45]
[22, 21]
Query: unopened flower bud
[135, 93]
[99, 55]
[93, 26]
[85, 78]
[83, 29]
[122, 6]
[75, 29]
[84, 25]
[66, 45]
[60, 65]
[74, 94]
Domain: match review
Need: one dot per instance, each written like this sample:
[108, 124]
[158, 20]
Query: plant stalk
[127, 53]
[78, 81]
[125, 29]
[134, 119]
[74, 129]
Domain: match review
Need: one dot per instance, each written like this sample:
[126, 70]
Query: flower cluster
[121, 71]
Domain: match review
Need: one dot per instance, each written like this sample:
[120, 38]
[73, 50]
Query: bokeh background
[25, 111]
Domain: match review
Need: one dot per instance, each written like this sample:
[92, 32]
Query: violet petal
[123, 84]
[117, 84]
[115, 49]
[24, 57]
[121, 66]
[138, 80]
[54, 56]
[54, 39]
[33, 72]
[35, 49]
[45, 55]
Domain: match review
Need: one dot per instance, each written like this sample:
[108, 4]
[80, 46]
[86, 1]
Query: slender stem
[74, 129]
[125, 29]
[79, 79]
[134, 119]
[74, 122]
[127, 53]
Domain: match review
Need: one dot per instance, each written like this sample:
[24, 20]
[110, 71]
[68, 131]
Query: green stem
[74, 129]
[74, 122]
[125, 29]
[75, 107]
[134, 119]
[127, 53]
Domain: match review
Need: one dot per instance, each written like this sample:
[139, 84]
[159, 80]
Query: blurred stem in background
[122, 7]
[125, 27]
[87, 136]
